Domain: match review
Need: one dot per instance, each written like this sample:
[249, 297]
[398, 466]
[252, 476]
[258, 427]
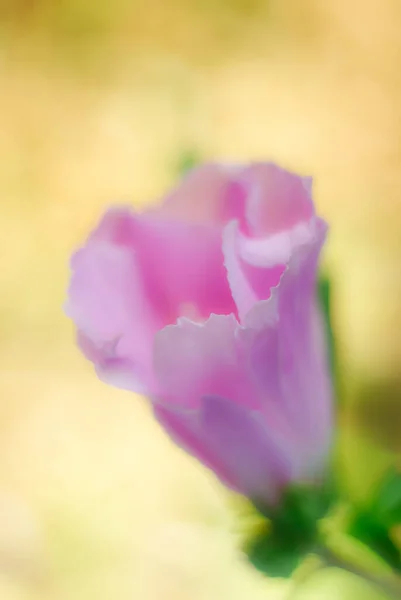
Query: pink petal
[182, 267]
[109, 306]
[120, 371]
[209, 194]
[135, 275]
[180, 264]
[278, 199]
[279, 212]
[249, 283]
[193, 360]
[299, 357]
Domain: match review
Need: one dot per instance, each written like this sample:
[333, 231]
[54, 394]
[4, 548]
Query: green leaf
[367, 528]
[387, 501]
[373, 524]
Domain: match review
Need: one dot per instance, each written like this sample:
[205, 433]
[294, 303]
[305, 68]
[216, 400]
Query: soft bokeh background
[105, 101]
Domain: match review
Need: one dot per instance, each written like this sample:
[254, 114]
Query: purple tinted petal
[294, 345]
[184, 427]
[247, 449]
[234, 443]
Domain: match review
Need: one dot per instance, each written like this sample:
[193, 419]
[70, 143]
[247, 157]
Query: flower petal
[135, 275]
[209, 194]
[304, 385]
[278, 199]
[255, 263]
[192, 360]
[249, 283]
[184, 428]
[109, 306]
[183, 268]
[120, 371]
[233, 442]
[248, 450]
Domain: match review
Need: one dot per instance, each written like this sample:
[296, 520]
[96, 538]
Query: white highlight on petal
[278, 248]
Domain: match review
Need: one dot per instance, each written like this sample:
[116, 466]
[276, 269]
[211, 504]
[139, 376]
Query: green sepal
[292, 531]
[324, 292]
[275, 555]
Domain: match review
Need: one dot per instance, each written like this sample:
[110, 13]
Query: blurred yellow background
[101, 102]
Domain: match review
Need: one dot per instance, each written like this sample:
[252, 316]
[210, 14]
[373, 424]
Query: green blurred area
[106, 102]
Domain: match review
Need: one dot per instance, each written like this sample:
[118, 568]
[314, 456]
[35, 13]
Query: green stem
[390, 586]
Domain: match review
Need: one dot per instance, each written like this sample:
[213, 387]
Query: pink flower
[207, 304]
